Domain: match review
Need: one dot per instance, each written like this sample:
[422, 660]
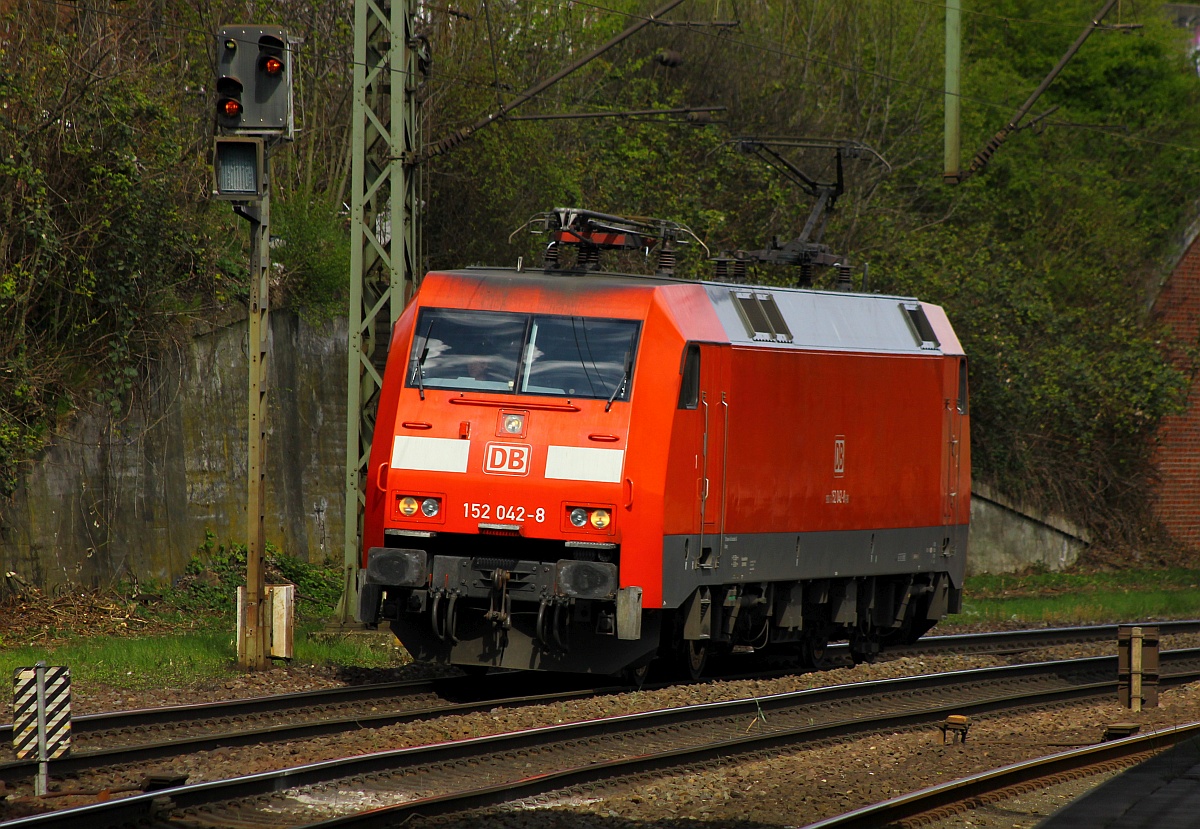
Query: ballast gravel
[787, 789]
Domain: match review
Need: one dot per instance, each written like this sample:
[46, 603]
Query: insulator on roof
[666, 260]
[729, 269]
[843, 277]
[805, 279]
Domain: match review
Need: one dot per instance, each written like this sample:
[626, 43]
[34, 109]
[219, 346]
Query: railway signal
[254, 113]
[254, 82]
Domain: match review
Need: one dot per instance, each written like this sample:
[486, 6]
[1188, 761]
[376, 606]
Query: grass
[186, 634]
[1047, 583]
[156, 661]
[1039, 599]
[166, 661]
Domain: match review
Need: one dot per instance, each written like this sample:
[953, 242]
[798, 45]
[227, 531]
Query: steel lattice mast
[385, 218]
[385, 233]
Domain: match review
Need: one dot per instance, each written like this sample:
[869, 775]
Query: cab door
[714, 405]
[956, 411]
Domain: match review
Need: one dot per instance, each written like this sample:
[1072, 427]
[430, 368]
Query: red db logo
[506, 459]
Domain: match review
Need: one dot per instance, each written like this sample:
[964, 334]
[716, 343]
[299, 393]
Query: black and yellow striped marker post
[42, 716]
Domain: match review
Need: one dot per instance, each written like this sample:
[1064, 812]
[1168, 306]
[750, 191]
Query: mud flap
[629, 613]
[939, 603]
[789, 607]
[370, 596]
[843, 602]
[698, 615]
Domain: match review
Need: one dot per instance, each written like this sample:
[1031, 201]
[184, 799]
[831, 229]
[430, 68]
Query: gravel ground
[790, 789]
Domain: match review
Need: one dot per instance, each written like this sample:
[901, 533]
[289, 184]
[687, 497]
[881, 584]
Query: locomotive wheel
[636, 676]
[693, 657]
[813, 651]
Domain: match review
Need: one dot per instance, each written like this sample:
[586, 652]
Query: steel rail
[122, 755]
[1082, 683]
[246, 706]
[956, 795]
[496, 686]
[1013, 641]
[1018, 640]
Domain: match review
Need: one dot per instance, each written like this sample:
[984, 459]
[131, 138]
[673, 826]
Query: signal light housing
[238, 169]
[229, 102]
[259, 58]
[270, 55]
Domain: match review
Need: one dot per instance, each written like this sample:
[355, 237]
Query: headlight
[579, 517]
[430, 507]
[514, 424]
[408, 505]
[600, 518]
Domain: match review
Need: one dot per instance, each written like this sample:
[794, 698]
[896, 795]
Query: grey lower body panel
[570, 616]
[692, 561]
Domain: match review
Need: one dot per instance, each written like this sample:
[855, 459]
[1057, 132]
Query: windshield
[525, 353]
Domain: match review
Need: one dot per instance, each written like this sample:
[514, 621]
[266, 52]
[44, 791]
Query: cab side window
[689, 386]
[962, 386]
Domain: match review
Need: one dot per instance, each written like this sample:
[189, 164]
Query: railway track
[957, 796]
[127, 737]
[467, 774]
[1018, 641]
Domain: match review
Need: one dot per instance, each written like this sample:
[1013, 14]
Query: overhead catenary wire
[780, 51]
[767, 49]
[461, 135]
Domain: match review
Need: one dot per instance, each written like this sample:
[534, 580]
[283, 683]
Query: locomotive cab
[497, 511]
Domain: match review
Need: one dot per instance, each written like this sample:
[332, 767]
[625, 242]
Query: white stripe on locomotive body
[582, 463]
[430, 454]
[564, 463]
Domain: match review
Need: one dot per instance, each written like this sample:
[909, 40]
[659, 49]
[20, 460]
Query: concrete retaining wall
[135, 494]
[1005, 538]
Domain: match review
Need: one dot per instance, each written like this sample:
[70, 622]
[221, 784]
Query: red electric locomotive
[576, 471]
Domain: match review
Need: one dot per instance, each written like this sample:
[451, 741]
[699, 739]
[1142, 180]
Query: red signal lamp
[229, 102]
[270, 56]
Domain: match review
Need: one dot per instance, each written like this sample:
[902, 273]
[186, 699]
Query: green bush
[213, 575]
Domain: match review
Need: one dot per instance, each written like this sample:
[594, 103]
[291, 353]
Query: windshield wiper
[624, 379]
[419, 371]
